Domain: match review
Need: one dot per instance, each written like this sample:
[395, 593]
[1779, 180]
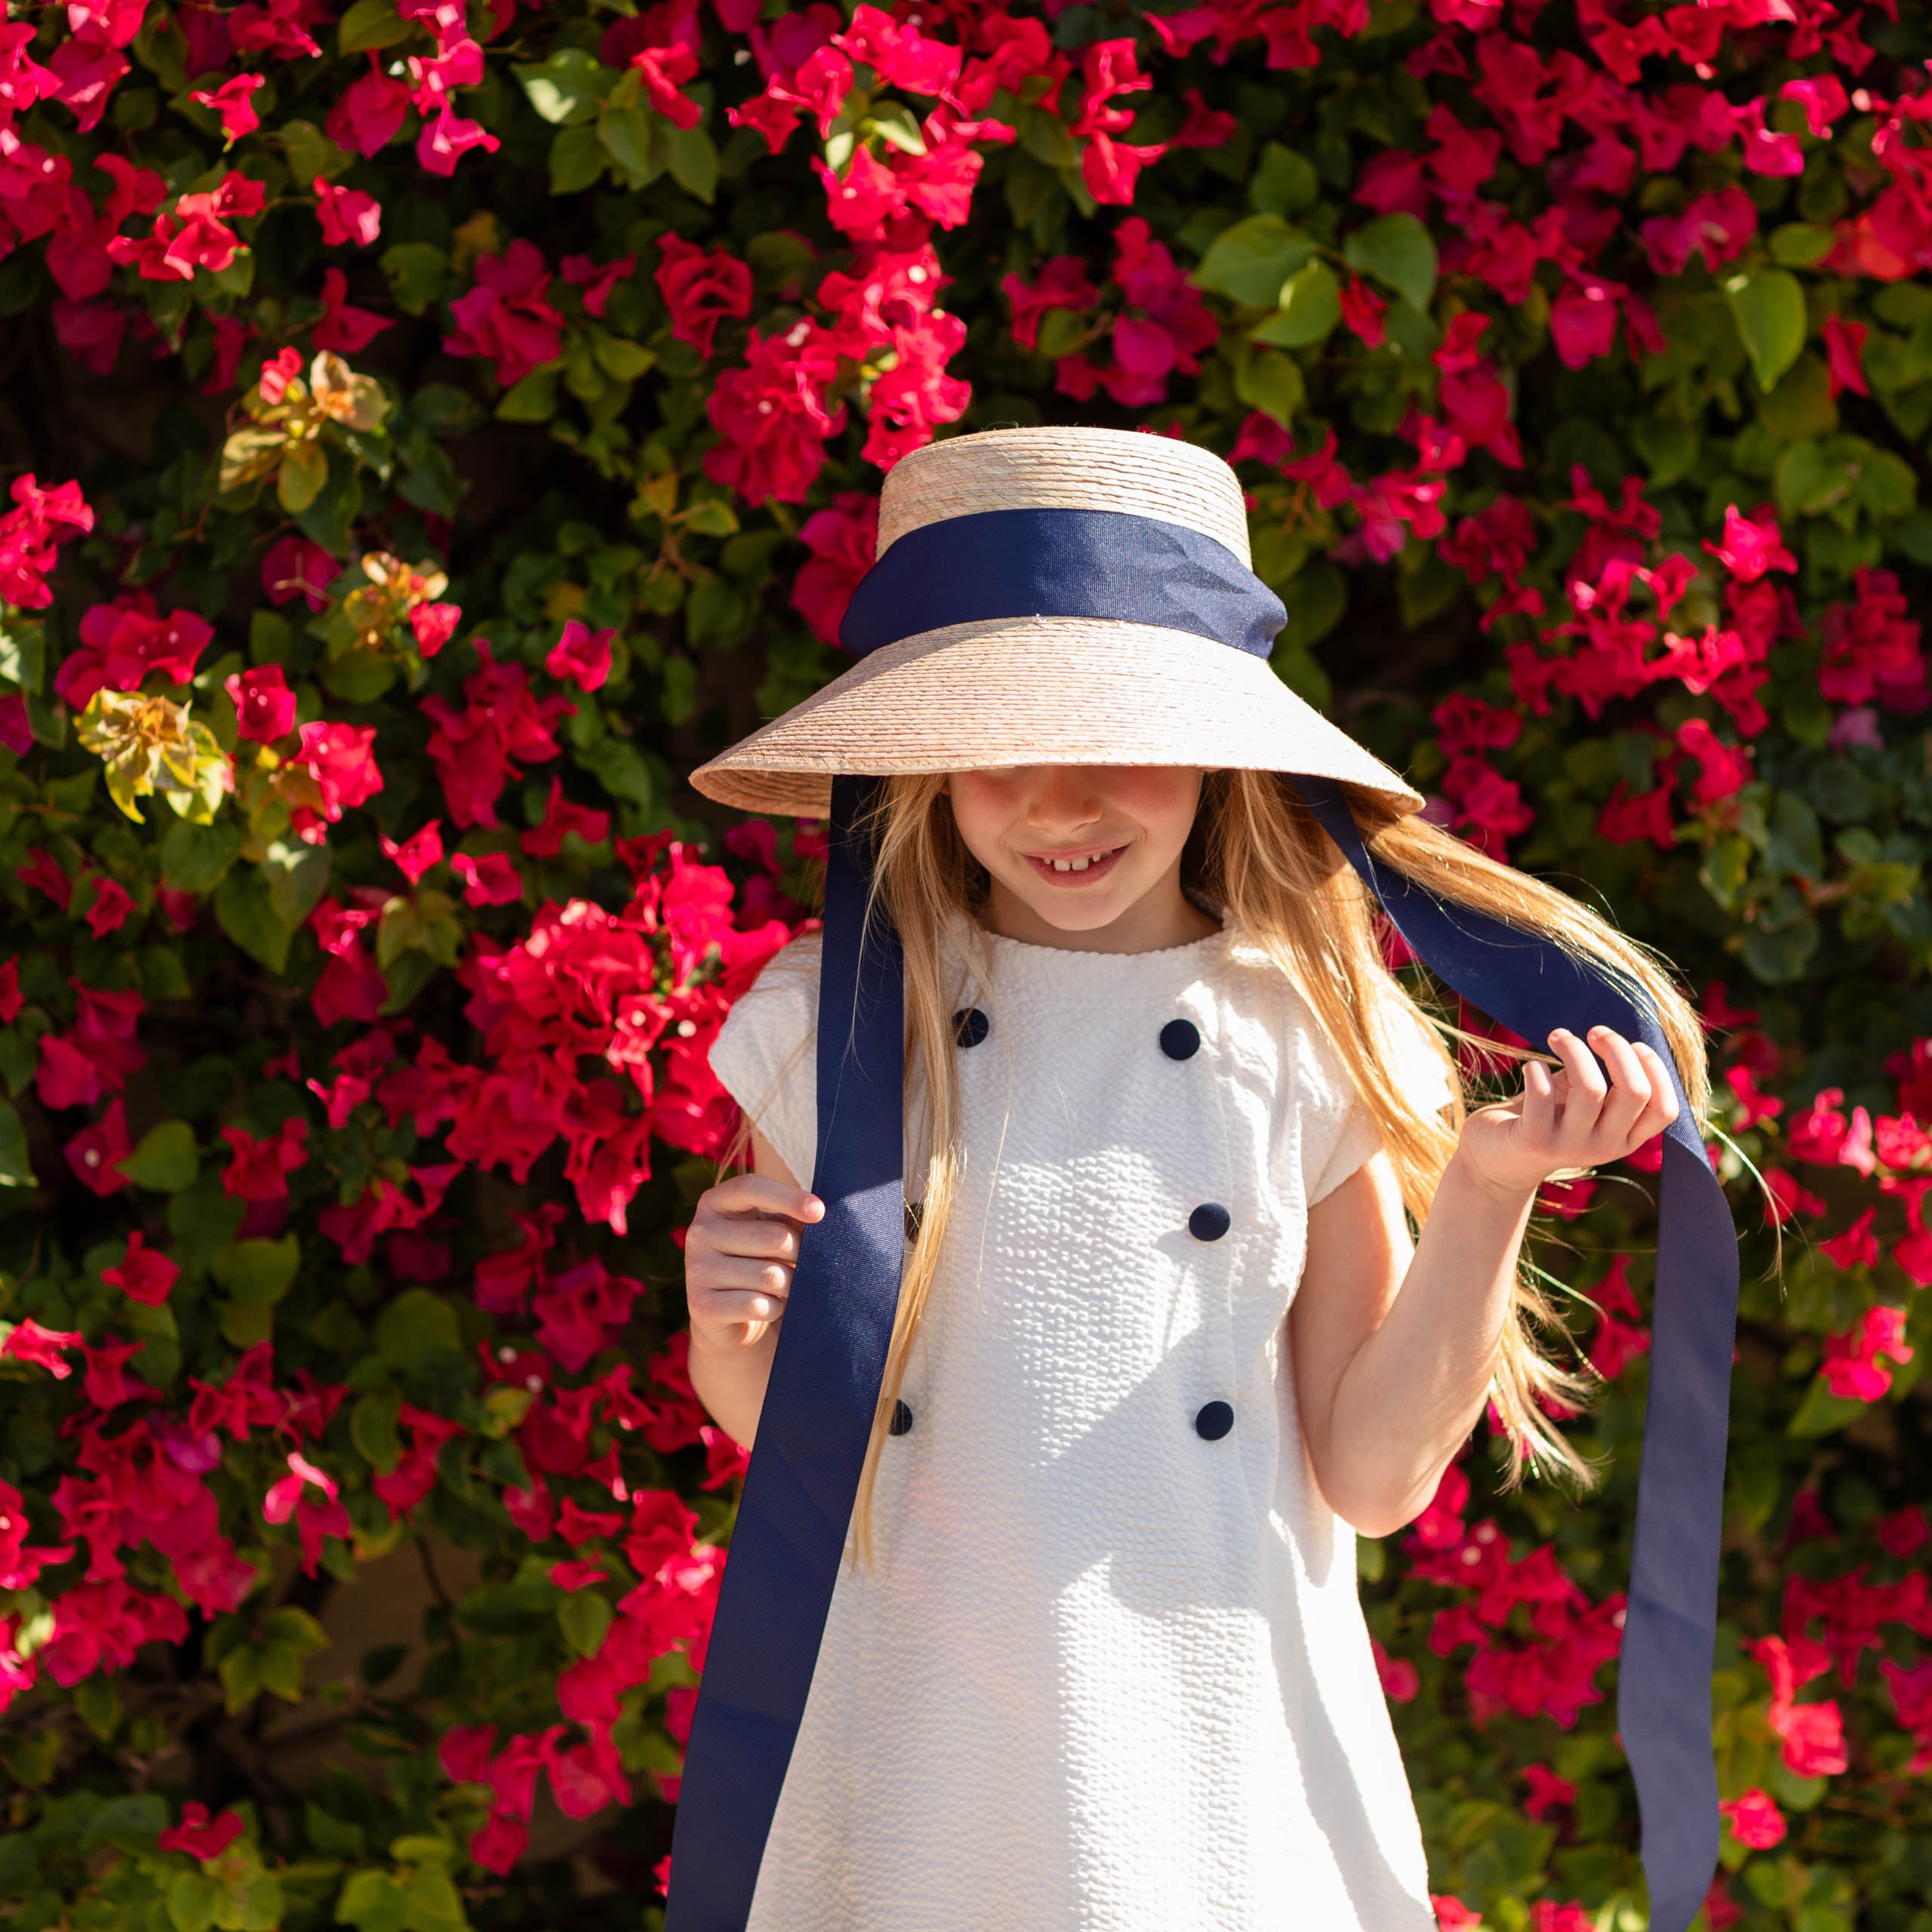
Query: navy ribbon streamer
[1139, 570]
[829, 1365]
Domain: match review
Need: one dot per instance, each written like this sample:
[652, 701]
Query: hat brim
[1039, 691]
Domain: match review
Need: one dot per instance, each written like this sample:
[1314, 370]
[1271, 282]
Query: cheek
[1164, 800]
[983, 808]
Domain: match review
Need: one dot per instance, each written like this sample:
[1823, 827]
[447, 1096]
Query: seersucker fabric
[1110, 1671]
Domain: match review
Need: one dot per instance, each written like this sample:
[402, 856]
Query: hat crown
[1130, 471]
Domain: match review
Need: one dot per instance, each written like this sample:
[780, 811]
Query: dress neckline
[1156, 974]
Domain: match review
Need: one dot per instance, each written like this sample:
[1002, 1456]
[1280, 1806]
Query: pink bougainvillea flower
[490, 878]
[95, 1153]
[279, 1500]
[264, 706]
[123, 642]
[233, 102]
[476, 751]
[1812, 1735]
[446, 140]
[418, 852]
[261, 1167]
[546, 841]
[371, 113]
[1452, 1915]
[340, 759]
[107, 911]
[581, 655]
[349, 217]
[597, 279]
[200, 1836]
[11, 997]
[1851, 1368]
[143, 1274]
[1752, 544]
[1755, 1819]
[42, 872]
[701, 288]
[1061, 282]
[505, 316]
[343, 327]
[28, 1342]
[841, 538]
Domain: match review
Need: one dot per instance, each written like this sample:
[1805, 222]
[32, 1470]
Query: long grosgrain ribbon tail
[812, 1432]
[1663, 1703]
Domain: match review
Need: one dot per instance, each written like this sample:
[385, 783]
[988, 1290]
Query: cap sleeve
[1412, 1050]
[766, 1053]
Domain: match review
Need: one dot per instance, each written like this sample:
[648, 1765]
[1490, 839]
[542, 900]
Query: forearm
[730, 1380]
[1413, 1392]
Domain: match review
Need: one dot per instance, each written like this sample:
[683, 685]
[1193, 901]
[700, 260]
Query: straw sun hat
[1051, 596]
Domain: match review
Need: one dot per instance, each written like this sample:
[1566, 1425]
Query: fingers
[760, 1194]
[1584, 1091]
[1604, 1119]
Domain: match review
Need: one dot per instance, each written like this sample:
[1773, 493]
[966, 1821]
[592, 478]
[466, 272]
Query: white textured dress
[1110, 1671]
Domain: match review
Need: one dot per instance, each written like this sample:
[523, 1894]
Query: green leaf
[196, 858]
[257, 1271]
[1253, 259]
[1311, 306]
[692, 157]
[15, 1169]
[372, 1901]
[192, 1898]
[583, 1618]
[244, 910]
[713, 517]
[372, 1428]
[1822, 1413]
[371, 24]
[626, 135]
[567, 89]
[1283, 182]
[415, 1324]
[297, 875]
[622, 360]
[1398, 252]
[417, 272]
[532, 400]
[576, 159]
[166, 1159]
[241, 1673]
[1798, 245]
[894, 120]
[1768, 306]
[132, 1822]
[1272, 384]
[305, 469]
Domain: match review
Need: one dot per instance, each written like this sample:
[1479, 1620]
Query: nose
[1064, 799]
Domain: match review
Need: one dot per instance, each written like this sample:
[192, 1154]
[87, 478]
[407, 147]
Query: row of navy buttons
[1212, 1422]
[1180, 1039]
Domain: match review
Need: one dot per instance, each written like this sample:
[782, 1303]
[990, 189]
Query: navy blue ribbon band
[1141, 569]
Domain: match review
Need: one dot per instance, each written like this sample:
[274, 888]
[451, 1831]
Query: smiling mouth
[1075, 867]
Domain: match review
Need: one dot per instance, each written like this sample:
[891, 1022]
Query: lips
[1080, 865]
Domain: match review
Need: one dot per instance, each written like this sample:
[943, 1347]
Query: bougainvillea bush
[430, 431]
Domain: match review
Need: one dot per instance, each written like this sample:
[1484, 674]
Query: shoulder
[779, 1007]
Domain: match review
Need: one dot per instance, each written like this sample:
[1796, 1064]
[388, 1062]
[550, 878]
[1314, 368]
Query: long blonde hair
[1258, 858]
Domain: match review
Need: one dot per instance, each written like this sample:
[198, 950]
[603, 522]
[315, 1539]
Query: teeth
[1077, 865]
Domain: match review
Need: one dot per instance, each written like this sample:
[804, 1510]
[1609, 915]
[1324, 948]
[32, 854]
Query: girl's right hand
[739, 1252]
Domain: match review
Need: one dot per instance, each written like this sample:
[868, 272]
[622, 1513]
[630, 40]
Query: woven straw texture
[1046, 690]
[1127, 470]
[1038, 690]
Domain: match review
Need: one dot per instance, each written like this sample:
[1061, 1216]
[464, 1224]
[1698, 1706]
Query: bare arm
[1394, 1345]
[738, 1256]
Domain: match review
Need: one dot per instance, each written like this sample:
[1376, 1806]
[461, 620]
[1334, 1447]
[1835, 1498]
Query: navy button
[915, 1213]
[1180, 1039]
[969, 1027]
[1214, 1421]
[902, 1420]
[1209, 1221]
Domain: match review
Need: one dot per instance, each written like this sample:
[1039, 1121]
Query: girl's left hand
[1570, 1119]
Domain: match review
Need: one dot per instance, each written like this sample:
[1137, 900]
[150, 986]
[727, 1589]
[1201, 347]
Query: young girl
[1163, 1344]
